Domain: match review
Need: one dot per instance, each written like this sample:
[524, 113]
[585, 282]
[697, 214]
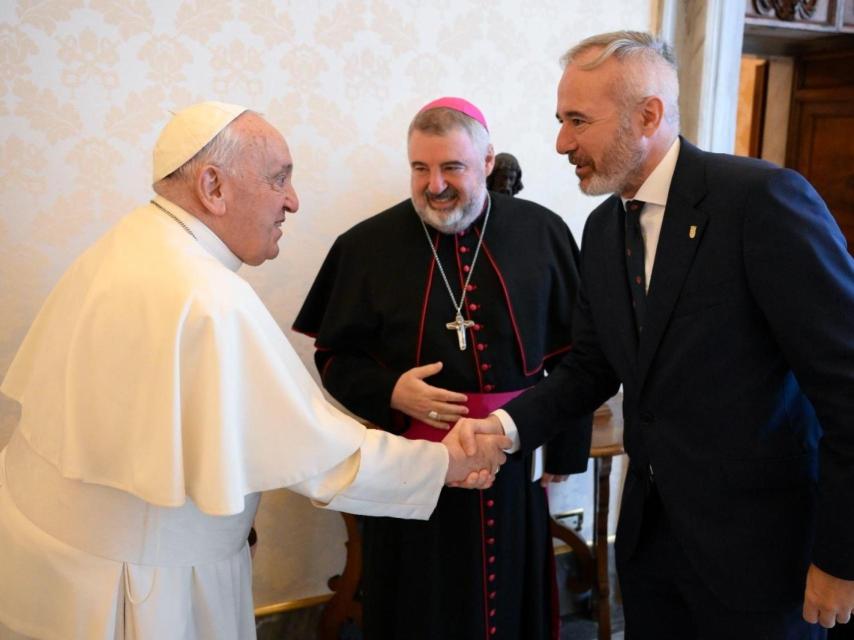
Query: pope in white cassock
[159, 397]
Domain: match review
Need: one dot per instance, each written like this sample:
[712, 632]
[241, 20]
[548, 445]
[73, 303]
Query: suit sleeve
[802, 277]
[569, 450]
[563, 402]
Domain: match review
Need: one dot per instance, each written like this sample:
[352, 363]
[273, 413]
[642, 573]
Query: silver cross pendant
[459, 325]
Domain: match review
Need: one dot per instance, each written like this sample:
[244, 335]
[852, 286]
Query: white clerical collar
[210, 241]
[655, 188]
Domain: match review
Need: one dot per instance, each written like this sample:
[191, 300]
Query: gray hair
[442, 120]
[657, 77]
[221, 151]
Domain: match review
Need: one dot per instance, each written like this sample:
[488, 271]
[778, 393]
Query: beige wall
[87, 85]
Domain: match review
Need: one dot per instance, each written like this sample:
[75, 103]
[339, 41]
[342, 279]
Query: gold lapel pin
[692, 231]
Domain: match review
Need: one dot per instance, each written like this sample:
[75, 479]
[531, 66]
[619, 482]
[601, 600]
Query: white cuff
[510, 429]
[393, 477]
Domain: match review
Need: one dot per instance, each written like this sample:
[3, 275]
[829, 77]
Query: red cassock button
[493, 631]
[488, 388]
[471, 287]
[473, 307]
[490, 541]
[492, 613]
[492, 577]
[478, 327]
[490, 503]
[492, 595]
[485, 366]
[490, 522]
[482, 346]
[466, 268]
[464, 249]
[491, 559]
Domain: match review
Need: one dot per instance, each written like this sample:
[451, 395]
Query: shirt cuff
[392, 477]
[510, 429]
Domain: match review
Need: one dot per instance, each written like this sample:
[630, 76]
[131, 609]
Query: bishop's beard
[457, 219]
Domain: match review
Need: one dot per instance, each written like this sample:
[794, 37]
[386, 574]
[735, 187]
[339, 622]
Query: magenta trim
[479, 405]
[424, 304]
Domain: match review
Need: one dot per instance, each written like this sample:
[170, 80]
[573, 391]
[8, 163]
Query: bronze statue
[506, 177]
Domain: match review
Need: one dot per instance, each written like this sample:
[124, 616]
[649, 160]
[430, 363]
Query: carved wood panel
[832, 16]
[786, 9]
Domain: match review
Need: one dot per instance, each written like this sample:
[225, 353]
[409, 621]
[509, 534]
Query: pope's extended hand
[477, 469]
[827, 599]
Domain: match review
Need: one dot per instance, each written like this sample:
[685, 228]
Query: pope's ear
[211, 189]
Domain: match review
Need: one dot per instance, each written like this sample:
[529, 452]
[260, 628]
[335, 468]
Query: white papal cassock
[158, 398]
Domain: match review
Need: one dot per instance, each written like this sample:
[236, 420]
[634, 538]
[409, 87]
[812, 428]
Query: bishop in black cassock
[482, 566]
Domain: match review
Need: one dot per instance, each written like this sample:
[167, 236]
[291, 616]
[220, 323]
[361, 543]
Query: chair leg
[343, 606]
[602, 491]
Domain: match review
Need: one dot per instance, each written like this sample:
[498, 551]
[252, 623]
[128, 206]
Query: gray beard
[459, 219]
[620, 166]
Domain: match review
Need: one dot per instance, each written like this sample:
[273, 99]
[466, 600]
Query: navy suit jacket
[740, 391]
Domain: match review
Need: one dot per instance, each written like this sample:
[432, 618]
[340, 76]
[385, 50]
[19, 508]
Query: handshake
[476, 452]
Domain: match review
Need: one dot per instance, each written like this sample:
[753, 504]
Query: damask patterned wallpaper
[86, 85]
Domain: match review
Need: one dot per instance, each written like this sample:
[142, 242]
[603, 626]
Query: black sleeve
[337, 312]
[802, 277]
[362, 385]
[568, 451]
[563, 402]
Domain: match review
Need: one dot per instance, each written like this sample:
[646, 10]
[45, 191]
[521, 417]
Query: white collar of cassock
[211, 242]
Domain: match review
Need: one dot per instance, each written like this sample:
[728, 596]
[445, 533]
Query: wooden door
[821, 131]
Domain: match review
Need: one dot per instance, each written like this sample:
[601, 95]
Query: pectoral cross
[459, 325]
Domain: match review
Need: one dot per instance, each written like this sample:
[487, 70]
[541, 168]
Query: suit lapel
[681, 232]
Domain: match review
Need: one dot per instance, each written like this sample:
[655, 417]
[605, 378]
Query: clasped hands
[476, 457]
[476, 450]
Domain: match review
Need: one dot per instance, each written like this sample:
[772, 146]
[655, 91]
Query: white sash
[115, 525]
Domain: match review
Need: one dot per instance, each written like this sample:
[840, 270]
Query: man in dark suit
[718, 291]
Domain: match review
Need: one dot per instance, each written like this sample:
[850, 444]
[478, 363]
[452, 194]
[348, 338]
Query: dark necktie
[635, 260]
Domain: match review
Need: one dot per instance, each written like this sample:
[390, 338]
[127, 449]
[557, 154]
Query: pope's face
[597, 134]
[261, 191]
[448, 178]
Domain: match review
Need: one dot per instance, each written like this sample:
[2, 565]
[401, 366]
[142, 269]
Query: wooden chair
[344, 606]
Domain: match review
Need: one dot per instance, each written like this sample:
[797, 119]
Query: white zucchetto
[188, 132]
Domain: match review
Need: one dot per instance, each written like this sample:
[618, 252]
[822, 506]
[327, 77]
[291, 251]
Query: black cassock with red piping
[482, 566]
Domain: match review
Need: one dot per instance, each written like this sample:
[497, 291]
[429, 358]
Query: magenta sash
[479, 405]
